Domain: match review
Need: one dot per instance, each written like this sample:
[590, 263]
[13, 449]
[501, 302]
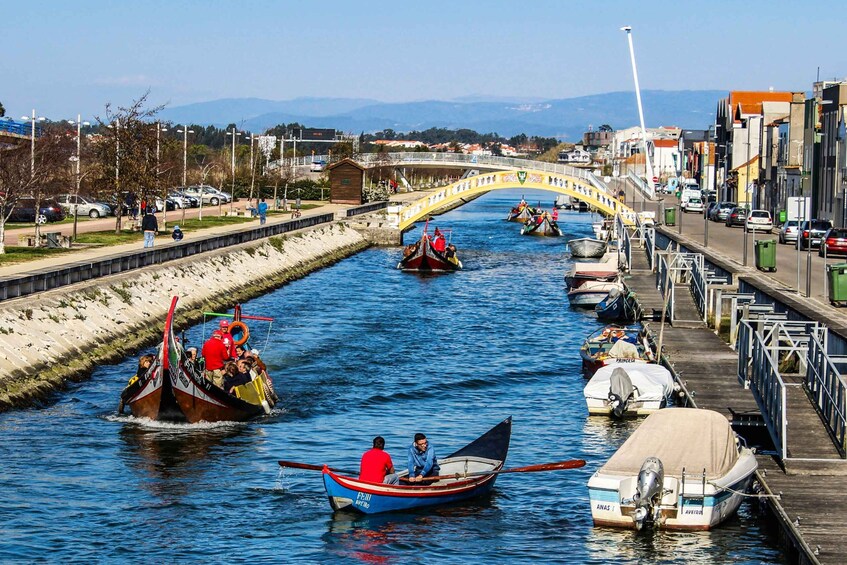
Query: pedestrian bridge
[583, 186]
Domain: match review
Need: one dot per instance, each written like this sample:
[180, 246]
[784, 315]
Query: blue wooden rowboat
[467, 473]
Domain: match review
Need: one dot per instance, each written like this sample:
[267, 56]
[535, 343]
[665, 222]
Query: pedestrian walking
[263, 212]
[149, 225]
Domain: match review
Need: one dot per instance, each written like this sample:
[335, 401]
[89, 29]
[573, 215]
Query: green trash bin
[837, 283]
[766, 254]
[670, 216]
[783, 216]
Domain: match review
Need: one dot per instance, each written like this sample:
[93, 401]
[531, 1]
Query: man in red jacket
[226, 337]
[216, 355]
[376, 466]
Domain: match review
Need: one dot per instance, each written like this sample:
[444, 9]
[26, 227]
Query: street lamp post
[746, 188]
[79, 123]
[648, 165]
[159, 130]
[32, 119]
[234, 135]
[184, 131]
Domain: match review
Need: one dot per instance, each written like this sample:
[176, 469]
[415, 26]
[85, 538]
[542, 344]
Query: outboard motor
[620, 391]
[648, 491]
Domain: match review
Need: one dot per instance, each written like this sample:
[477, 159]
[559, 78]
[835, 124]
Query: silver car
[210, 194]
[788, 232]
[84, 206]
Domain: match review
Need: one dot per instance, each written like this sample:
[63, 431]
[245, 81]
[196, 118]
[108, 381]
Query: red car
[834, 242]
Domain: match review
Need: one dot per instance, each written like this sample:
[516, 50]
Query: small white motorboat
[682, 469]
[587, 247]
[630, 390]
[590, 293]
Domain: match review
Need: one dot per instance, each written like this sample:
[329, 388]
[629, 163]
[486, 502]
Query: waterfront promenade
[807, 494]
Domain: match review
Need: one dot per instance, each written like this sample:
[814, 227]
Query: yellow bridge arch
[575, 187]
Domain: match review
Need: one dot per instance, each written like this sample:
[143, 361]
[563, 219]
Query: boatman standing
[376, 466]
[216, 354]
[422, 460]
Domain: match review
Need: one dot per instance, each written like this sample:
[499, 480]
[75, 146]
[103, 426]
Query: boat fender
[245, 332]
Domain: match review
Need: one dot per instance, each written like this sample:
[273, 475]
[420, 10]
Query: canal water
[357, 349]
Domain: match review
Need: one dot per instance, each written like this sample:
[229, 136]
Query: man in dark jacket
[149, 225]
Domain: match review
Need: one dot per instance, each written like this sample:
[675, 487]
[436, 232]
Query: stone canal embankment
[58, 336]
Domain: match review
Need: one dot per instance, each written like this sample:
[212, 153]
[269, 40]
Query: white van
[688, 192]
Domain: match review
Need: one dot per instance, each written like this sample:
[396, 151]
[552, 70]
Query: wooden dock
[812, 486]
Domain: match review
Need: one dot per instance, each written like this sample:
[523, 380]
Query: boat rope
[267, 337]
[745, 494]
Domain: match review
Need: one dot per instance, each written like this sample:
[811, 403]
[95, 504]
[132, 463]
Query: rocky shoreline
[59, 336]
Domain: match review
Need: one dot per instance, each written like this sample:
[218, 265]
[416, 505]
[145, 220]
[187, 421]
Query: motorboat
[468, 473]
[581, 273]
[590, 293]
[587, 247]
[620, 306]
[681, 469]
[629, 390]
[614, 344]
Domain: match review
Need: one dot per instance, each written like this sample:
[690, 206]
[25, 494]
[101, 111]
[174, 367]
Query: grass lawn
[15, 254]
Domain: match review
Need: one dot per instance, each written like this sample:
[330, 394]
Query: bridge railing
[665, 283]
[767, 387]
[641, 185]
[18, 128]
[624, 241]
[828, 391]
[650, 244]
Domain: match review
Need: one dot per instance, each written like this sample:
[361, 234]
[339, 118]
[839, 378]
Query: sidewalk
[163, 240]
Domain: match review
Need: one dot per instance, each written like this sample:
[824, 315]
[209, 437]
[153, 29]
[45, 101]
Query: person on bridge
[377, 466]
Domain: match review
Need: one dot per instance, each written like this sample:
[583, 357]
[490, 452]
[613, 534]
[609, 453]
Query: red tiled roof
[750, 102]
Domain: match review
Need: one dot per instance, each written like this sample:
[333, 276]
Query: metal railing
[641, 185]
[367, 208]
[768, 390]
[17, 128]
[665, 283]
[624, 241]
[828, 391]
[650, 245]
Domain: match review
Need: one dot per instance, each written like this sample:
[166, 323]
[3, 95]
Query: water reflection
[169, 458]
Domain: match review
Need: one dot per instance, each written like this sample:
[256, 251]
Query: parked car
[737, 217]
[759, 220]
[184, 199]
[171, 205]
[84, 205]
[209, 194]
[788, 231]
[24, 211]
[834, 242]
[710, 208]
[693, 205]
[720, 213]
[317, 166]
[811, 232]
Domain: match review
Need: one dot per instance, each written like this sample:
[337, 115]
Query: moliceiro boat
[430, 255]
[682, 469]
[629, 390]
[521, 213]
[469, 472]
[542, 225]
[175, 388]
[587, 247]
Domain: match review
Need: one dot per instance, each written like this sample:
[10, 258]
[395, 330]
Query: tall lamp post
[649, 167]
[746, 191]
[234, 133]
[159, 130]
[33, 119]
[79, 123]
[184, 131]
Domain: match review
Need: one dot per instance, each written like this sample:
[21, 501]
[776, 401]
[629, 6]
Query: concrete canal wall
[52, 337]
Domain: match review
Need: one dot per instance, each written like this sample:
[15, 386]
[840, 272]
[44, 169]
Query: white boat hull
[591, 293]
[587, 247]
[692, 504]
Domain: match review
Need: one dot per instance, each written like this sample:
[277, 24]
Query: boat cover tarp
[601, 267]
[686, 438]
[653, 382]
[623, 349]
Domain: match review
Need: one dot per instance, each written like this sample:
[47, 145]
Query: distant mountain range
[566, 118]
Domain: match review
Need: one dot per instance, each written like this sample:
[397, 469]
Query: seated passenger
[240, 376]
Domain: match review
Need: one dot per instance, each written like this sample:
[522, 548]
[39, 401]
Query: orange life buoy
[245, 332]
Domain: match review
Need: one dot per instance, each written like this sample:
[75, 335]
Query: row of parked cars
[57, 208]
[811, 234]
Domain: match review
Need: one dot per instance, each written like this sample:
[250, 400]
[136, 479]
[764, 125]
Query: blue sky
[64, 58]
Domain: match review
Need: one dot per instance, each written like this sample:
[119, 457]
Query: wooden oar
[296, 465]
[559, 466]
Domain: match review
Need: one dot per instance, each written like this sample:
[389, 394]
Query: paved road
[728, 243]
